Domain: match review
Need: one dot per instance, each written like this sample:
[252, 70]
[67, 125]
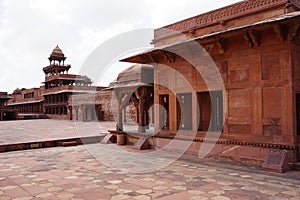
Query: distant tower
[60, 85]
[57, 64]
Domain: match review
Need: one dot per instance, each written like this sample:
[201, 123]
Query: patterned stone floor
[22, 131]
[73, 173]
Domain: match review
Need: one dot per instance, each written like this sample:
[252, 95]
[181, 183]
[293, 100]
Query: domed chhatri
[57, 50]
[57, 55]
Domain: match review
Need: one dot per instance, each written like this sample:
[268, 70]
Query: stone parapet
[223, 18]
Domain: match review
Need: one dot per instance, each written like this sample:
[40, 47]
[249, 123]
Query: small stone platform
[32, 134]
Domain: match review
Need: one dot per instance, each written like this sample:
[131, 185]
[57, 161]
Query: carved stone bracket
[135, 100]
[221, 44]
[293, 31]
[255, 37]
[171, 57]
[280, 32]
[154, 57]
[216, 47]
[146, 58]
[125, 101]
[252, 38]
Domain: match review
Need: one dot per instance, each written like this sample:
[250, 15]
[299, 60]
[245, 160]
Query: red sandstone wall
[258, 96]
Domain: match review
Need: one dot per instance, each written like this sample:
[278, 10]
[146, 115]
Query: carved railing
[68, 76]
[70, 88]
[219, 15]
[57, 76]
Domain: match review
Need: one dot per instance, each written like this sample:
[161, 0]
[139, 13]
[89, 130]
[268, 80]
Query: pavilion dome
[57, 50]
[57, 54]
[136, 74]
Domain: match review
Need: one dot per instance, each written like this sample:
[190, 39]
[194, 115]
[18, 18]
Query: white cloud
[30, 29]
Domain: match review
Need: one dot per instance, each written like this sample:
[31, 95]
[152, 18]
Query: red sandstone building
[60, 85]
[250, 92]
[5, 112]
[52, 99]
[29, 102]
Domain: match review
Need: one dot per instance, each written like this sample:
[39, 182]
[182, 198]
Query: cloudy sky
[30, 29]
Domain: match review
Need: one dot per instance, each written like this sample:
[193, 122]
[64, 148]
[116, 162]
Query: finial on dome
[57, 50]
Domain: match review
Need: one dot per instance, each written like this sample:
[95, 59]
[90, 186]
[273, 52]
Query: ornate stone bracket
[154, 57]
[171, 57]
[221, 44]
[135, 100]
[280, 31]
[252, 38]
[146, 58]
[293, 32]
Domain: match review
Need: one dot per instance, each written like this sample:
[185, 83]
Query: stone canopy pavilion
[54, 99]
[250, 92]
[134, 86]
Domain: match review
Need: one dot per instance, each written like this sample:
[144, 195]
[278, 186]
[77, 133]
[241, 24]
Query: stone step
[294, 166]
[50, 143]
[69, 143]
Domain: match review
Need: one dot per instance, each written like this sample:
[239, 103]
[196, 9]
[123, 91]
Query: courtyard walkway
[24, 131]
[108, 171]
[73, 173]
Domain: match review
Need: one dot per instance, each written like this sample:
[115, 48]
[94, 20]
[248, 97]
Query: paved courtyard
[99, 171]
[73, 173]
[23, 131]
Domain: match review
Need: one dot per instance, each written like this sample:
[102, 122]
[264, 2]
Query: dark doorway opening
[210, 111]
[164, 111]
[184, 111]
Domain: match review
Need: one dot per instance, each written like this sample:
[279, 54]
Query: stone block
[69, 143]
[276, 161]
[108, 139]
[142, 143]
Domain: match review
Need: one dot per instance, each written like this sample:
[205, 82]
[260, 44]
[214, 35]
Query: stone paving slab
[25, 131]
[73, 173]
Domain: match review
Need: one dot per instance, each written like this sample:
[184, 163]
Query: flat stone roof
[136, 58]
